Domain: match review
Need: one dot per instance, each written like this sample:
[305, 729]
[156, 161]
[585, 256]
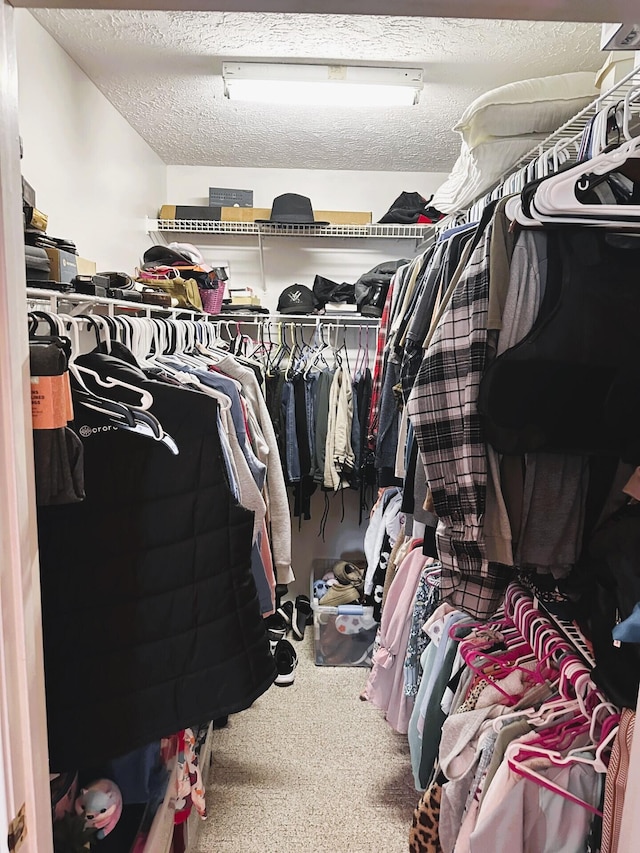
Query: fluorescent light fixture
[321, 85]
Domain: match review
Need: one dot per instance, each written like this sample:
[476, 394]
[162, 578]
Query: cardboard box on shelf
[251, 214]
[335, 217]
[344, 217]
[85, 267]
[245, 214]
[64, 265]
[245, 300]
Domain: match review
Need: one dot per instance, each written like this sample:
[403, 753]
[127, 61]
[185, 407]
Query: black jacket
[150, 613]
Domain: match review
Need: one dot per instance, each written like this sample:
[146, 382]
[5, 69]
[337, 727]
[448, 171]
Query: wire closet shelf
[205, 226]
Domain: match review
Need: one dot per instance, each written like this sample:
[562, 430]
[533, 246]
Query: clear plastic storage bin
[344, 635]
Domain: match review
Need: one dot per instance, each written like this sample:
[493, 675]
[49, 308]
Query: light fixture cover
[321, 85]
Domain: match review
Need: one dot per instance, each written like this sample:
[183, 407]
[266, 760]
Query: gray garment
[419, 324]
[59, 466]
[521, 307]
[502, 245]
[389, 416]
[323, 390]
[555, 493]
[420, 488]
[58, 453]
[458, 794]
[509, 732]
[292, 453]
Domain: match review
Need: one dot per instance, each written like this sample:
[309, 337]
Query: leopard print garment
[423, 837]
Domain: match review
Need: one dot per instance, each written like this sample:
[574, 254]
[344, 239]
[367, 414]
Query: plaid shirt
[443, 410]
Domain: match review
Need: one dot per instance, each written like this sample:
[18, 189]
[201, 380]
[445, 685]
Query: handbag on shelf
[212, 297]
[184, 293]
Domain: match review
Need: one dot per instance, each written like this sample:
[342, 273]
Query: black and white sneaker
[286, 662]
[285, 611]
[302, 616]
[276, 629]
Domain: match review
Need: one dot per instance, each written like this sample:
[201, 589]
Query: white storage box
[344, 635]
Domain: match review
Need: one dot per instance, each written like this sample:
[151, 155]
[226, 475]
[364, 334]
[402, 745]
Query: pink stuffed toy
[101, 806]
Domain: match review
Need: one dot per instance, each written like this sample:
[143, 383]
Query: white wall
[93, 174]
[297, 261]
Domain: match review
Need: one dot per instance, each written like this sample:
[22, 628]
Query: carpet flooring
[309, 769]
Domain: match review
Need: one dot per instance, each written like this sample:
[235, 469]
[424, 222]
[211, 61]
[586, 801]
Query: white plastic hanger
[555, 199]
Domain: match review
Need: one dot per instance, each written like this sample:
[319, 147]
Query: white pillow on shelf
[476, 171]
[539, 105]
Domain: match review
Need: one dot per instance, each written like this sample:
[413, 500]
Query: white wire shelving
[566, 139]
[56, 301]
[371, 232]
[422, 236]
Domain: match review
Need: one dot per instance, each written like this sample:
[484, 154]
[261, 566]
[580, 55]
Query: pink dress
[385, 686]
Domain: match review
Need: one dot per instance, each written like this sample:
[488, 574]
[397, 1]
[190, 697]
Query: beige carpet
[308, 769]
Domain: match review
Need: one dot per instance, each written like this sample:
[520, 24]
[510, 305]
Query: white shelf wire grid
[200, 226]
[75, 303]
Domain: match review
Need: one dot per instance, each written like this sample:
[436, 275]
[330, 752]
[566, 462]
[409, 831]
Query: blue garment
[227, 456]
[140, 774]
[436, 663]
[260, 578]
[228, 387]
[628, 631]
[292, 452]
[456, 229]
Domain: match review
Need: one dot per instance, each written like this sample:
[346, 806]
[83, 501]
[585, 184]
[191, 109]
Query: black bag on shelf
[325, 290]
[371, 288]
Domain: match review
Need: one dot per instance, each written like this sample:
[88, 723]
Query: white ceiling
[161, 70]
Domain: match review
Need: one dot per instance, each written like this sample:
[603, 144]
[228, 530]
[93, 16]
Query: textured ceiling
[161, 70]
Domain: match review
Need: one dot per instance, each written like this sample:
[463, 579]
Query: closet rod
[301, 319]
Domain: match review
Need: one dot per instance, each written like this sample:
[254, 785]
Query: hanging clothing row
[512, 353]
[318, 394]
[505, 397]
[509, 738]
[163, 521]
[509, 735]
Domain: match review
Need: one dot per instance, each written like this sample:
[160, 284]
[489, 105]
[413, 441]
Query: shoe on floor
[301, 616]
[276, 629]
[286, 662]
[285, 611]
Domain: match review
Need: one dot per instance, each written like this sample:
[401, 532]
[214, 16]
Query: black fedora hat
[292, 209]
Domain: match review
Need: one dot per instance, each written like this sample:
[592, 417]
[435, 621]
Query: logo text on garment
[295, 295]
[86, 431]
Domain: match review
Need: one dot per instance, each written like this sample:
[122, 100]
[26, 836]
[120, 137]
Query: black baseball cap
[296, 299]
